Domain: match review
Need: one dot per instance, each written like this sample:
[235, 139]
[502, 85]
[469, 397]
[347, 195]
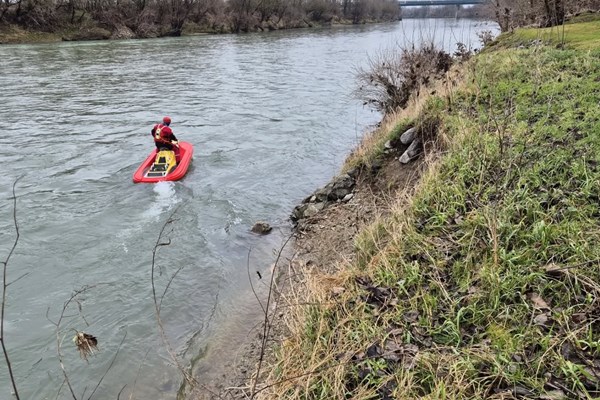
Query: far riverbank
[32, 22]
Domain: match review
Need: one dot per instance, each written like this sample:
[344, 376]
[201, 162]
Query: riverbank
[14, 34]
[471, 272]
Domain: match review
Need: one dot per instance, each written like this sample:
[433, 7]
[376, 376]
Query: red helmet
[166, 120]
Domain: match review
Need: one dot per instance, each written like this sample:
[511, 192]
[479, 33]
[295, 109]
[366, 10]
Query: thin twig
[4, 286]
[158, 302]
[189, 379]
[60, 389]
[138, 374]
[18, 279]
[168, 285]
[573, 266]
[109, 367]
[251, 284]
[121, 391]
[59, 339]
[267, 325]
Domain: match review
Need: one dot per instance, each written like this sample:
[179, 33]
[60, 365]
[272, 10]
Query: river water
[271, 117]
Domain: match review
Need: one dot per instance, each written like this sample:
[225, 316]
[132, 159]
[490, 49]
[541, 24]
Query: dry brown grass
[481, 282]
[314, 347]
[394, 123]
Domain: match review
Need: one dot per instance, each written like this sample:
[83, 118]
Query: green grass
[487, 285]
[372, 147]
[579, 35]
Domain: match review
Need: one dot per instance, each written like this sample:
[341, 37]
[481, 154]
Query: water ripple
[271, 118]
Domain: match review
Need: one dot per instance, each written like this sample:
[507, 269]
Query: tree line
[450, 11]
[153, 18]
[540, 13]
[103, 19]
[510, 14]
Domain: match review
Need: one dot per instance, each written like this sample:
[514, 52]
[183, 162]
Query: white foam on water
[165, 199]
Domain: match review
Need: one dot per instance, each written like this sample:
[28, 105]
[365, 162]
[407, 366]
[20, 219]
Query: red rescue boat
[162, 166]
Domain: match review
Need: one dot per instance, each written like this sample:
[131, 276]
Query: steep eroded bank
[481, 281]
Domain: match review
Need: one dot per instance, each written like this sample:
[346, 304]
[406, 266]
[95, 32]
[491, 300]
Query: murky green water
[271, 117]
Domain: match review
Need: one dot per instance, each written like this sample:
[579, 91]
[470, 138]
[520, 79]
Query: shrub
[392, 77]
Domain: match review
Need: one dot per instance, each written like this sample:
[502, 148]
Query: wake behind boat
[161, 165]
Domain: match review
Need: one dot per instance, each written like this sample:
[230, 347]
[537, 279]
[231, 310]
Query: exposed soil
[321, 241]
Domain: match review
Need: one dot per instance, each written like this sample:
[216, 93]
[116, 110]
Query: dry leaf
[541, 319]
[553, 395]
[338, 290]
[538, 302]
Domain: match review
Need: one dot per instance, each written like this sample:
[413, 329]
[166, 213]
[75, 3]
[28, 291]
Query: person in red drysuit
[164, 137]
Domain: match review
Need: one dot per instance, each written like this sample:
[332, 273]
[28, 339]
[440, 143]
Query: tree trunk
[555, 12]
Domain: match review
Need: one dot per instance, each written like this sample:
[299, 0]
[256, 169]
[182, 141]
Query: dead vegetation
[511, 14]
[393, 76]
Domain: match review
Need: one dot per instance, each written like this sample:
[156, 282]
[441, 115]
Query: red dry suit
[163, 136]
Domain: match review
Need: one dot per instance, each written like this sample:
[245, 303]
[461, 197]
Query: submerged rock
[262, 228]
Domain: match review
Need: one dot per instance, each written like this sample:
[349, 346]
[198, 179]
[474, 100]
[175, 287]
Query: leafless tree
[542, 13]
[148, 18]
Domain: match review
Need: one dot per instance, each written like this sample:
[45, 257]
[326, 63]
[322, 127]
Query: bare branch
[4, 286]
[267, 325]
[251, 284]
[109, 367]
[167, 287]
[121, 391]
[59, 339]
[18, 279]
[189, 379]
[137, 375]
[158, 302]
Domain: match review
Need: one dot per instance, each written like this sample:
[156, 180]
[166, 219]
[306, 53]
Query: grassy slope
[487, 283]
[583, 35]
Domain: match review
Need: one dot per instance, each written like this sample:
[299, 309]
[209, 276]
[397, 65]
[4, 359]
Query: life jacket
[160, 133]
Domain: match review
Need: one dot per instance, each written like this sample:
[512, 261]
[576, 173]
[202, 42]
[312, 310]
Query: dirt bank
[319, 244]
[481, 280]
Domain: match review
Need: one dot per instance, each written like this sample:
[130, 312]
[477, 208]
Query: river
[271, 116]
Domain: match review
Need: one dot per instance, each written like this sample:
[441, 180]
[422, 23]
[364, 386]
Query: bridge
[415, 3]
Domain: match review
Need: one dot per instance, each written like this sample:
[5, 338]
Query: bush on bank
[486, 284]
